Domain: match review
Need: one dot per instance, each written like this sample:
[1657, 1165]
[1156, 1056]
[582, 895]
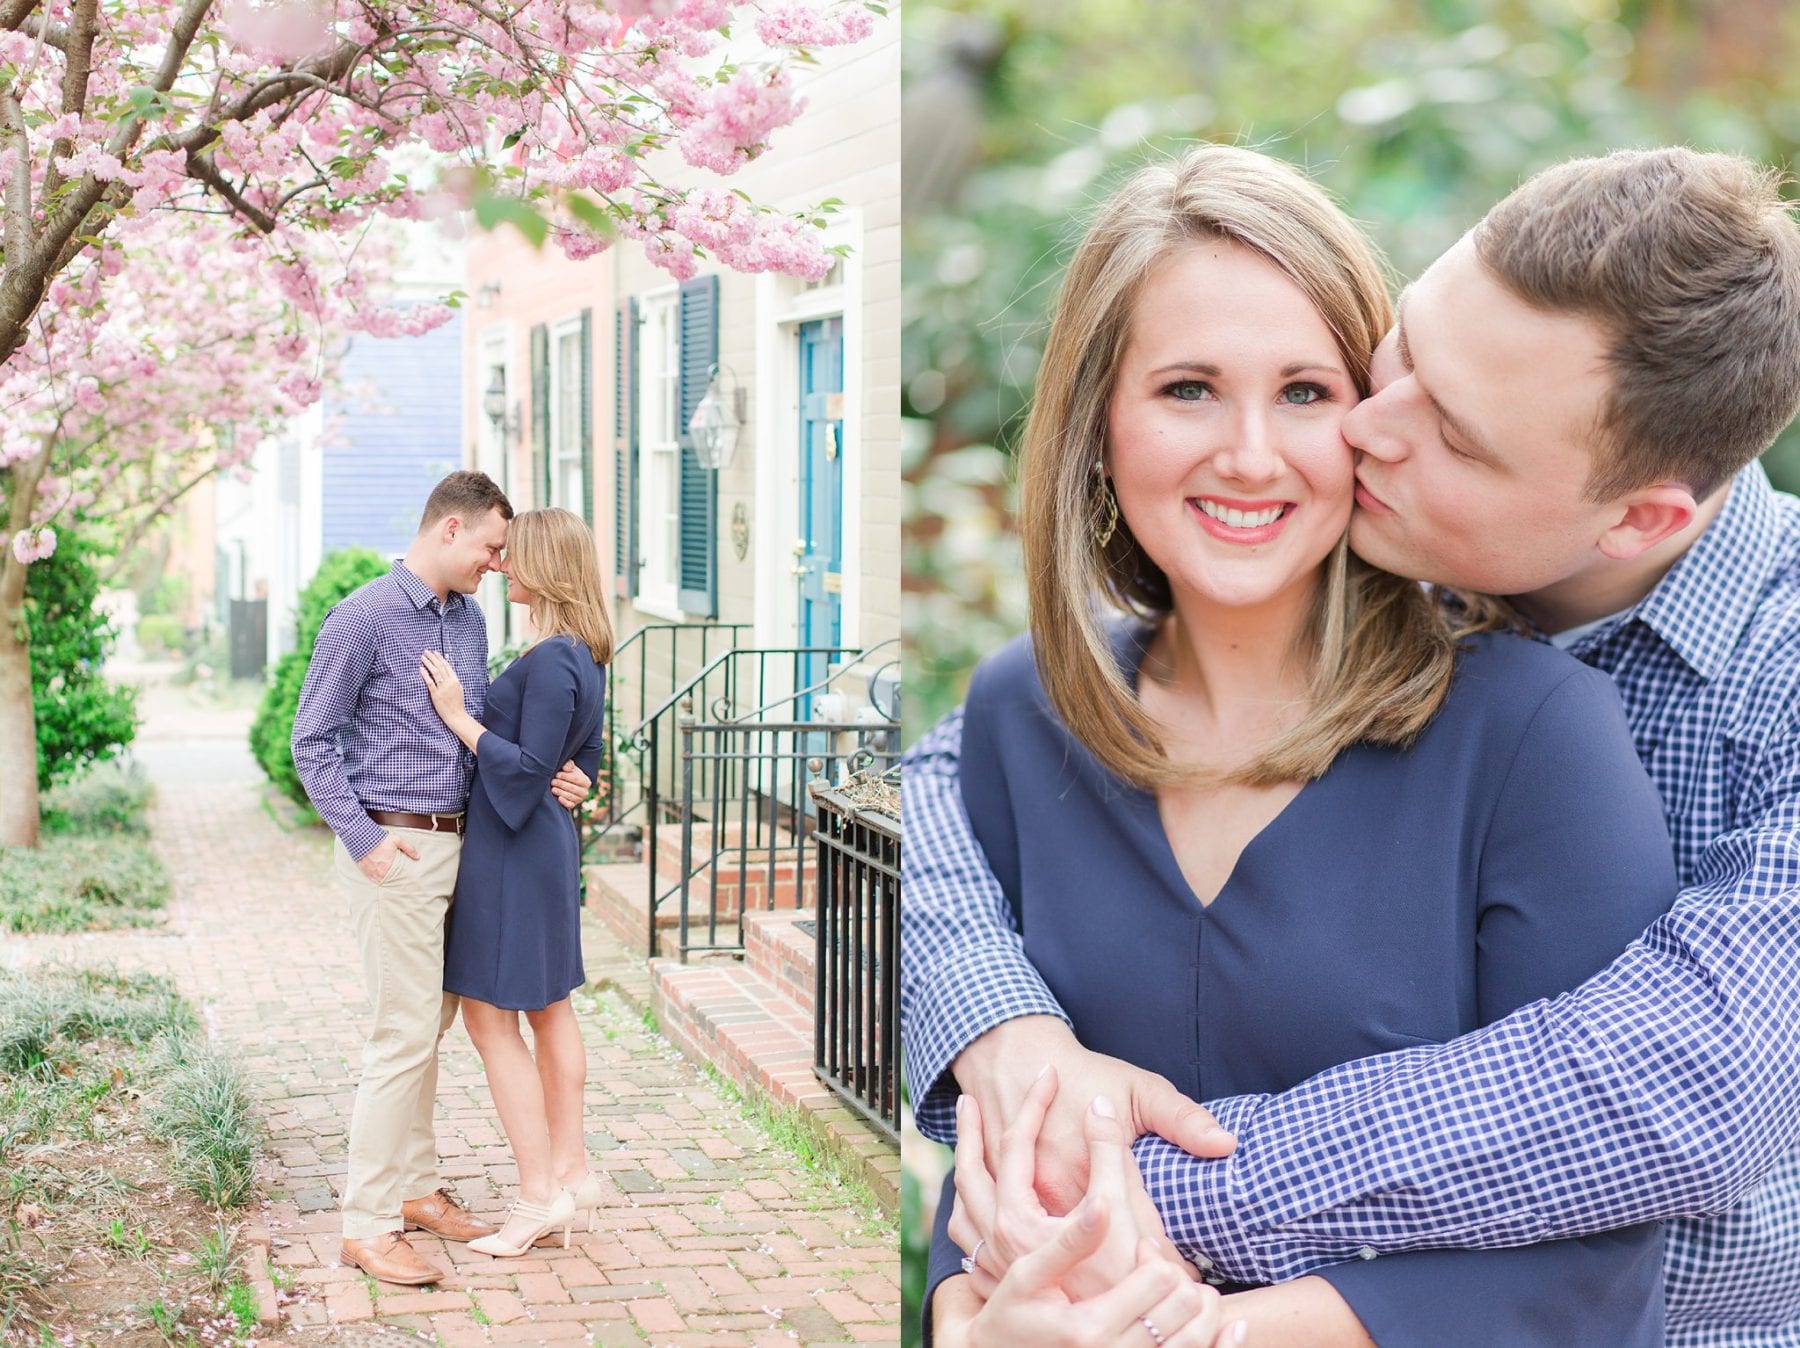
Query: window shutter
[625, 448]
[587, 416]
[540, 414]
[699, 487]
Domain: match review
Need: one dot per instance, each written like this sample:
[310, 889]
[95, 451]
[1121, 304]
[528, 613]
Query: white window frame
[566, 448]
[659, 453]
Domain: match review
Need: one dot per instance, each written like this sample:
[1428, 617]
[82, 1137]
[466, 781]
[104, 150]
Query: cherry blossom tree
[194, 194]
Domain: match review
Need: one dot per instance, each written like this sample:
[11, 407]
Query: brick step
[755, 836]
[754, 857]
[783, 953]
[720, 1012]
[619, 894]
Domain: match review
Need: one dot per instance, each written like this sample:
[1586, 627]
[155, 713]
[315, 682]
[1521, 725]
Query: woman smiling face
[1223, 437]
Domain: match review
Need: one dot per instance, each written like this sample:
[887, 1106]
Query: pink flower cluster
[33, 545]
[736, 118]
[187, 310]
[793, 24]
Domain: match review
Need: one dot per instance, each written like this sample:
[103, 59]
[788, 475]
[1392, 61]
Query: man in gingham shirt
[1563, 414]
[391, 780]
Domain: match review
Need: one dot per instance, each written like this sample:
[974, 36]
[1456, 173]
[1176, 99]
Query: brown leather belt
[434, 823]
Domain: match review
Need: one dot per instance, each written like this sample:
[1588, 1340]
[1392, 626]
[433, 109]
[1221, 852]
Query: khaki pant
[399, 927]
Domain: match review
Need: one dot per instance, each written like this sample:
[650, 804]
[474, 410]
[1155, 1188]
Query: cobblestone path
[714, 1235]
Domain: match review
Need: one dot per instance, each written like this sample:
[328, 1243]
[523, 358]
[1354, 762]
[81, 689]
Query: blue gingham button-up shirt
[1666, 1086]
[366, 736]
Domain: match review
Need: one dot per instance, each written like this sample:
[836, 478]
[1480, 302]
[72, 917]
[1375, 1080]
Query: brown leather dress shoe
[442, 1215]
[390, 1259]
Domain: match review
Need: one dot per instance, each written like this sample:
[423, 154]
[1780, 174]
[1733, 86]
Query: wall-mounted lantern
[717, 421]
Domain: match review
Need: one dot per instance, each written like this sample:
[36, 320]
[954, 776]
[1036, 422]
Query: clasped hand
[1090, 1277]
[570, 786]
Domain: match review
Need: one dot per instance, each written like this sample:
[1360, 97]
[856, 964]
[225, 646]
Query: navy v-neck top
[1403, 897]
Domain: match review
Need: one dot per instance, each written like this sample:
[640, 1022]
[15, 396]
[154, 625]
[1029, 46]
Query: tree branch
[13, 13]
[21, 493]
[206, 171]
[50, 34]
[78, 49]
[151, 514]
[18, 187]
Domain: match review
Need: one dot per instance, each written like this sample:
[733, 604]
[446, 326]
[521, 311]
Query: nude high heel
[560, 1211]
[589, 1195]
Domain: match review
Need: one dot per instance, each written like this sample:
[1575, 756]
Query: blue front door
[819, 566]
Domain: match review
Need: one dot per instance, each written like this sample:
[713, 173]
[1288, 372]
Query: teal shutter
[587, 416]
[699, 487]
[625, 448]
[540, 414]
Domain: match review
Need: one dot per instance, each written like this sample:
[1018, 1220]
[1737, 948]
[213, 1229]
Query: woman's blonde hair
[1382, 654]
[551, 553]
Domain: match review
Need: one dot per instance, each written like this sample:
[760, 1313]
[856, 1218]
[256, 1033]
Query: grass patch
[202, 1110]
[110, 797]
[82, 882]
[94, 868]
[788, 1131]
[123, 1141]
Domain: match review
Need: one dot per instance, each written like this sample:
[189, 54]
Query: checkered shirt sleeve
[963, 968]
[342, 659]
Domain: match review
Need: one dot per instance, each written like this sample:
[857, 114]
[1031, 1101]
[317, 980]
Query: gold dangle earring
[1108, 525]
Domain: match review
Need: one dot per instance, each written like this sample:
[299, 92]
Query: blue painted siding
[398, 429]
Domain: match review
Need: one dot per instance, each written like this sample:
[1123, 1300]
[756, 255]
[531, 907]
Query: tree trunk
[18, 721]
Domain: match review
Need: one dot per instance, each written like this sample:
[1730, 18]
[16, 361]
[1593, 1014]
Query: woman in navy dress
[1273, 813]
[513, 941]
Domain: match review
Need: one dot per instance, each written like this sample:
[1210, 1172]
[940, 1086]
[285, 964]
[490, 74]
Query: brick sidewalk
[713, 1236]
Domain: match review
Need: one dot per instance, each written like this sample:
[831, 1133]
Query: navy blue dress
[1404, 897]
[513, 938]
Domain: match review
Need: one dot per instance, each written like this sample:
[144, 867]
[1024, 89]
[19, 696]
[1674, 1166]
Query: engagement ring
[1150, 1329]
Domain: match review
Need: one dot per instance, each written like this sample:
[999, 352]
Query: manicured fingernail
[1104, 1107]
[1040, 1072]
[1240, 1332]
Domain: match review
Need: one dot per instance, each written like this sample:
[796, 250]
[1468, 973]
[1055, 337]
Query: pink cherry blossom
[33, 545]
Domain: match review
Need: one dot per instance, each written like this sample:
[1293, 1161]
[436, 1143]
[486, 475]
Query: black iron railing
[645, 666]
[733, 685]
[746, 817]
[856, 996]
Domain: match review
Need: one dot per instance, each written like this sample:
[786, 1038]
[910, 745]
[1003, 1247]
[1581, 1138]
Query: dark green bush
[270, 734]
[82, 718]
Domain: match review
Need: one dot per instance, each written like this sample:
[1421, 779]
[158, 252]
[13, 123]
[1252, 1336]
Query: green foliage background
[82, 718]
[339, 573]
[1022, 114]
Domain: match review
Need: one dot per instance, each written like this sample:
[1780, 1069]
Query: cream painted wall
[846, 145]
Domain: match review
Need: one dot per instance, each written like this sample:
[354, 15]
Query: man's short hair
[467, 494]
[1690, 264]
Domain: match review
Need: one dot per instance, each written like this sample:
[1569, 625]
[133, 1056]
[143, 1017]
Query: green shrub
[162, 634]
[81, 717]
[168, 595]
[77, 883]
[273, 730]
[107, 798]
